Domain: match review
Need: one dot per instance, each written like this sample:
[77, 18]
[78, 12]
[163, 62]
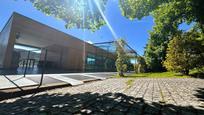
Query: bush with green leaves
[185, 51]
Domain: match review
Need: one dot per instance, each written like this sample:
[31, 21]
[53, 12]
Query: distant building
[63, 51]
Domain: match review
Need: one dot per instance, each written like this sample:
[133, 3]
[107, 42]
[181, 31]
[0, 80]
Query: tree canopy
[169, 11]
[83, 14]
[185, 52]
[168, 15]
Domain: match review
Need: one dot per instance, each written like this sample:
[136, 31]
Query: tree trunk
[121, 74]
[186, 72]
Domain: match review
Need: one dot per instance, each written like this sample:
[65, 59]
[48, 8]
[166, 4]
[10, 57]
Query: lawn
[157, 75]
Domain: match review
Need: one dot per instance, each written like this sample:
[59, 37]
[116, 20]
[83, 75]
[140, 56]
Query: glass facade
[97, 63]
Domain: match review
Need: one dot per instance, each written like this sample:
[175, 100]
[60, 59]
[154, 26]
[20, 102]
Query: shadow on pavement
[12, 93]
[91, 103]
[200, 94]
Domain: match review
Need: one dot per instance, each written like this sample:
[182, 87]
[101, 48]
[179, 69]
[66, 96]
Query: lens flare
[106, 20]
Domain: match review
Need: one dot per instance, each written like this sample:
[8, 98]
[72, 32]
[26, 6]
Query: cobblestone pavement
[145, 96]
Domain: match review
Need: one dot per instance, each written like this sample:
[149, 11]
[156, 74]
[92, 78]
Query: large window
[90, 61]
[99, 63]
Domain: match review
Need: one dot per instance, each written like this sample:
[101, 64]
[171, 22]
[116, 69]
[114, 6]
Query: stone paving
[15, 81]
[145, 96]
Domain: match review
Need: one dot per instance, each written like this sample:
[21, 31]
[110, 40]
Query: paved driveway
[144, 96]
[15, 81]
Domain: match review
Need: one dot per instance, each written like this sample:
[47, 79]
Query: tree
[130, 66]
[168, 14]
[84, 14]
[141, 66]
[185, 52]
[121, 57]
[154, 54]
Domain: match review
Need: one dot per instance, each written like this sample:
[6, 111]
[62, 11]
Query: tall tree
[121, 60]
[185, 52]
[84, 14]
[168, 14]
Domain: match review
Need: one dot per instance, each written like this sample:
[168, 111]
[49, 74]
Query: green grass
[197, 71]
[157, 75]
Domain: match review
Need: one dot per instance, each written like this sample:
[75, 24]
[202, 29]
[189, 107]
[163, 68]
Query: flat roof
[31, 28]
[16, 13]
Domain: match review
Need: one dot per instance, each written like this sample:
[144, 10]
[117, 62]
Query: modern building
[25, 42]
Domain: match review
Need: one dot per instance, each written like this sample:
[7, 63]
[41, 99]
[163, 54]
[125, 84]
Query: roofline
[134, 51]
[16, 13]
[7, 22]
[71, 37]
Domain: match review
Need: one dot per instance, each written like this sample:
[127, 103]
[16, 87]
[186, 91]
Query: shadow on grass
[91, 103]
[197, 75]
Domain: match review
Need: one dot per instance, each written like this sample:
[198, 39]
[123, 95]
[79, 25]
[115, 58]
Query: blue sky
[134, 32]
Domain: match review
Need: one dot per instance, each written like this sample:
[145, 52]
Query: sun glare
[106, 20]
